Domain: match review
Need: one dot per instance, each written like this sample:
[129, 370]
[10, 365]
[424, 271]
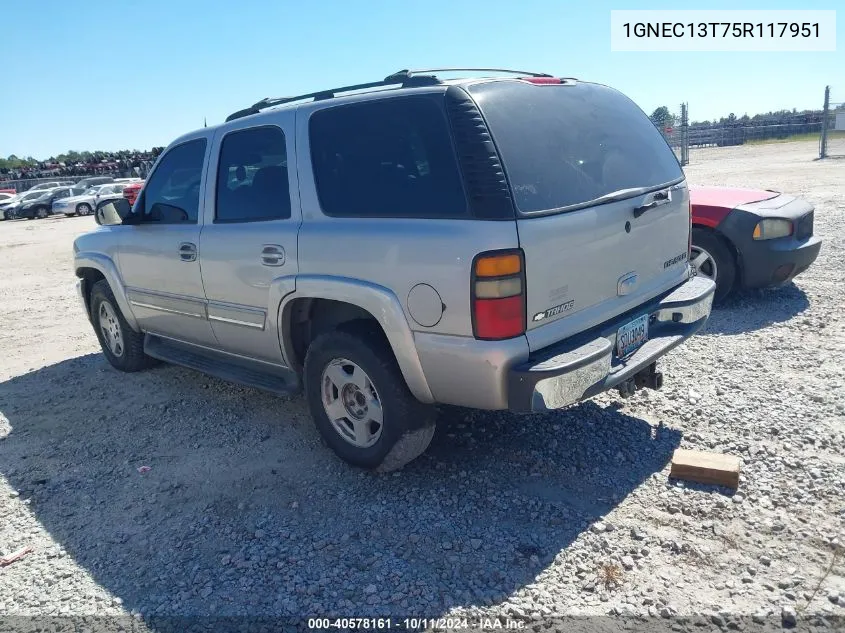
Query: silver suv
[504, 242]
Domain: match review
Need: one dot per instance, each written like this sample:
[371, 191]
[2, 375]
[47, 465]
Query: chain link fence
[773, 127]
[675, 129]
[832, 141]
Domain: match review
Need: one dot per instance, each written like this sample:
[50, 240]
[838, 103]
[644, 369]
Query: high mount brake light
[542, 80]
[498, 295]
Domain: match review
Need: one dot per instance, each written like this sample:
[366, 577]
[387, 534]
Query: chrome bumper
[585, 365]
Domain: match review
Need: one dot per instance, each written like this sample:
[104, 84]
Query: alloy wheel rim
[110, 327]
[352, 403]
[703, 263]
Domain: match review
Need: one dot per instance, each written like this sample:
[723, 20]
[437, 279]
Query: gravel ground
[243, 511]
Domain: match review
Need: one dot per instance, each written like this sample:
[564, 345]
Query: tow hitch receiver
[648, 377]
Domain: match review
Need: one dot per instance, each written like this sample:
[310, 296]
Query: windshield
[32, 195]
[92, 191]
[567, 146]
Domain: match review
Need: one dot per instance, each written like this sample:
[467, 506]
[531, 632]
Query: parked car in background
[87, 183]
[42, 206]
[110, 191]
[749, 238]
[8, 192]
[44, 186]
[6, 204]
[83, 203]
[5, 196]
[130, 192]
[10, 208]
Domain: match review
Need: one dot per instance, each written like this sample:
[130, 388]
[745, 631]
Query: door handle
[660, 198]
[188, 252]
[272, 255]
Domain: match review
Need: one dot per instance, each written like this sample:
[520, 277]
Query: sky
[124, 74]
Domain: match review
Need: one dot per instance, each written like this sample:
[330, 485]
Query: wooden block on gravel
[706, 468]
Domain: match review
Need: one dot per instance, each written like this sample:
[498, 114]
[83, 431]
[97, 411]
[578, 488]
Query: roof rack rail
[526, 73]
[403, 79]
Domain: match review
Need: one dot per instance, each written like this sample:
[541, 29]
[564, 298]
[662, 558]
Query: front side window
[252, 176]
[172, 194]
[386, 158]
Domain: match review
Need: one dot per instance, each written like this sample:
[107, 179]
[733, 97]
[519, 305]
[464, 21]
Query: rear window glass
[565, 146]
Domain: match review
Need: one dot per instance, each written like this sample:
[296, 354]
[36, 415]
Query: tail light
[498, 295]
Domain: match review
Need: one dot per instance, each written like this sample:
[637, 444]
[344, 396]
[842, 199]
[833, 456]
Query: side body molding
[379, 301]
[104, 264]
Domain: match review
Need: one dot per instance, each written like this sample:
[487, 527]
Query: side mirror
[114, 211]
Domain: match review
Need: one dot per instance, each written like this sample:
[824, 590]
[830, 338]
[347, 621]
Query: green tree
[661, 117]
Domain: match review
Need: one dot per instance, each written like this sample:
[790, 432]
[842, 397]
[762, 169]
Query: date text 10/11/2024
[416, 624]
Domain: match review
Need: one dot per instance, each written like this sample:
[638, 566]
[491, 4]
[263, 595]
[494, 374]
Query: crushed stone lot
[243, 512]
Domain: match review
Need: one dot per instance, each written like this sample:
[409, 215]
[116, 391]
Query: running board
[273, 378]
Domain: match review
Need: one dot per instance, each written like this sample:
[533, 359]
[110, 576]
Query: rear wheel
[711, 257]
[41, 213]
[360, 403]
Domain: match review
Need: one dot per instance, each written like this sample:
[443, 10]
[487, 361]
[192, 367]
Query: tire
[718, 263]
[83, 209]
[130, 356]
[41, 213]
[407, 425]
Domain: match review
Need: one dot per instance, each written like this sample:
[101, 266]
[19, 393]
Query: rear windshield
[568, 145]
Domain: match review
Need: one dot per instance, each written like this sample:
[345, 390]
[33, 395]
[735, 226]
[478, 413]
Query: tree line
[73, 157]
[662, 117]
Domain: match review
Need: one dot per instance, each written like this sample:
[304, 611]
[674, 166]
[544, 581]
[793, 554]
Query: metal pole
[825, 114]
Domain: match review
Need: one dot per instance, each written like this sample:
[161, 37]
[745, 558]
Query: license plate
[631, 336]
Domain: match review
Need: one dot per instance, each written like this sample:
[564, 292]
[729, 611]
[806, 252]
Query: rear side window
[565, 146]
[252, 176]
[386, 158]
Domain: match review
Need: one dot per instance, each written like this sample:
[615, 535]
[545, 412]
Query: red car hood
[727, 198]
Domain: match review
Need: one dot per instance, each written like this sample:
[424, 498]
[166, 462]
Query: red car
[131, 191]
[748, 238]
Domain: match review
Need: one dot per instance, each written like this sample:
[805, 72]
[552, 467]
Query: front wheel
[711, 257]
[83, 209]
[122, 346]
[360, 402]
[41, 213]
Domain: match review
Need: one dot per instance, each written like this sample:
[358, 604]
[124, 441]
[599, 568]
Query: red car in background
[131, 191]
[750, 238]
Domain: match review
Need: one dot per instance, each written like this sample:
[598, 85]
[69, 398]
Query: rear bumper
[585, 365]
